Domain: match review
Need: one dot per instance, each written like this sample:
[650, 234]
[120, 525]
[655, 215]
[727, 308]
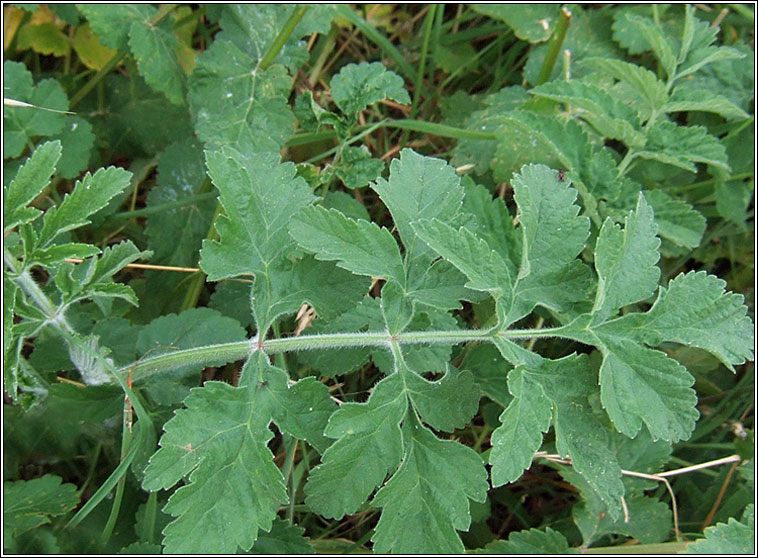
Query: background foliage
[423, 278]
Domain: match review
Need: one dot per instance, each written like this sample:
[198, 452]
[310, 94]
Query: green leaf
[176, 233]
[419, 188]
[155, 49]
[479, 152]
[490, 372]
[397, 307]
[687, 98]
[523, 423]
[656, 41]
[694, 310]
[553, 235]
[483, 266]
[218, 442]
[81, 280]
[112, 23]
[357, 168]
[531, 541]
[90, 194]
[534, 23]
[369, 446]
[284, 538]
[626, 260]
[733, 537]
[29, 504]
[643, 385]
[445, 404]
[259, 197]
[192, 328]
[23, 124]
[608, 115]
[30, 180]
[649, 520]
[236, 107]
[682, 146]
[78, 140]
[677, 221]
[357, 86]
[494, 224]
[580, 433]
[427, 499]
[649, 89]
[358, 246]
[329, 289]
[304, 409]
[253, 28]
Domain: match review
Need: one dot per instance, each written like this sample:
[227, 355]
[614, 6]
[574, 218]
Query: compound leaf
[259, 197]
[218, 443]
[522, 425]
[419, 188]
[90, 194]
[368, 447]
[33, 177]
[626, 260]
[427, 499]
[357, 245]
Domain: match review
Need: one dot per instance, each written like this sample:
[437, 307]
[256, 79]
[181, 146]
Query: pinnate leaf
[357, 245]
[523, 423]
[90, 194]
[643, 385]
[695, 310]
[30, 180]
[369, 446]
[426, 500]
[419, 188]
[626, 260]
[259, 197]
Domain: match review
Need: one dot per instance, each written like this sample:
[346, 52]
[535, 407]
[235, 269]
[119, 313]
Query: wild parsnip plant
[408, 279]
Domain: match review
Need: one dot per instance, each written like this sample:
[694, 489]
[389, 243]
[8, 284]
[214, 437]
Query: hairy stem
[230, 352]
